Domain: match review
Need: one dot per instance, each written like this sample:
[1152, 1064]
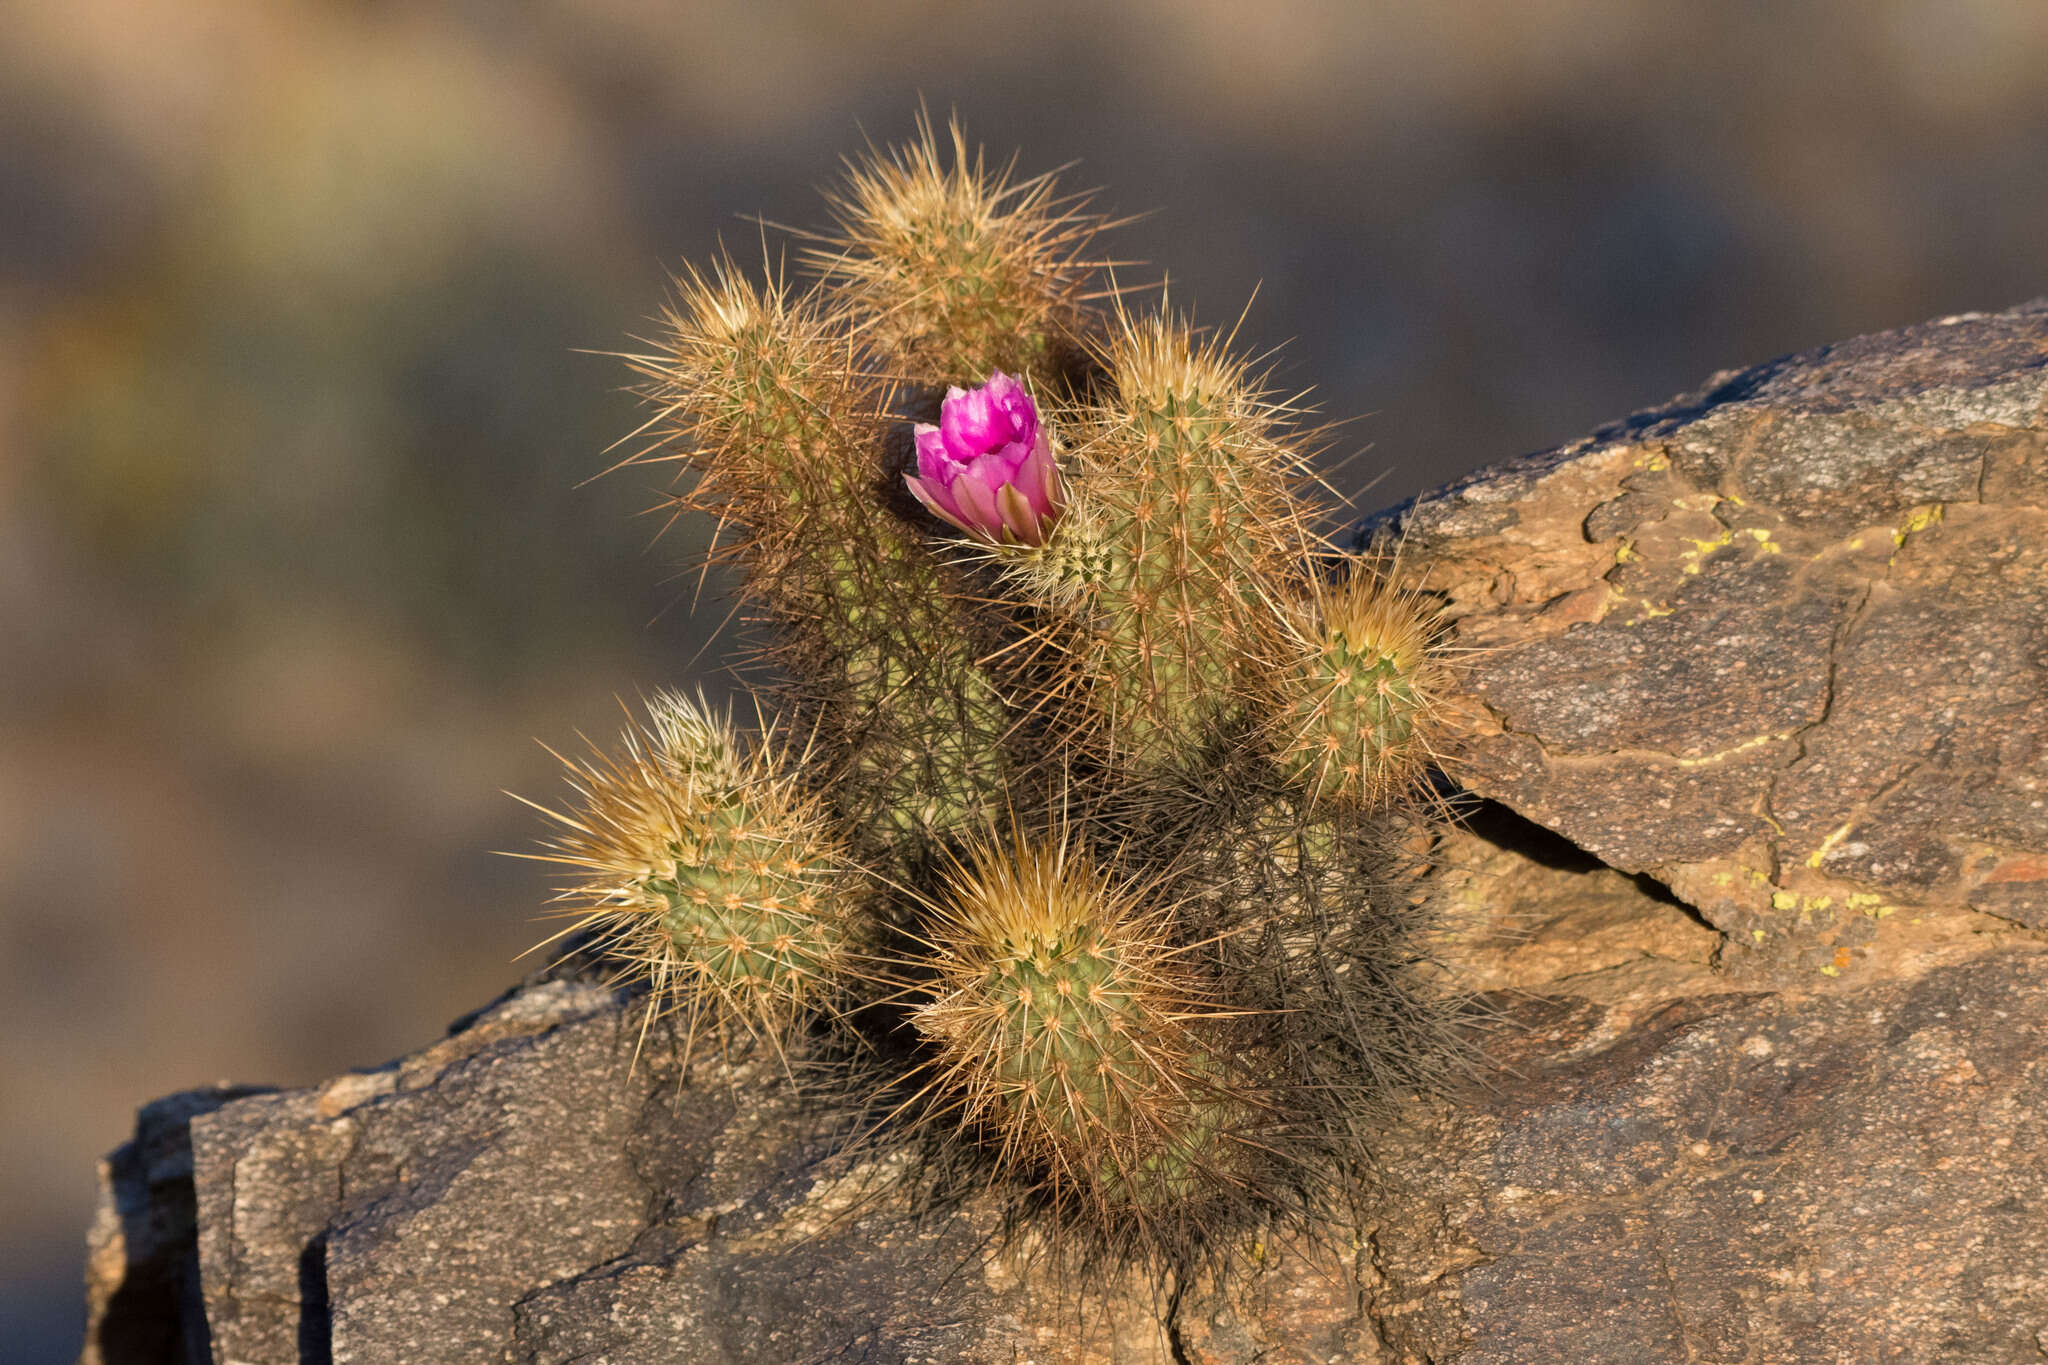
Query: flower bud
[987, 467]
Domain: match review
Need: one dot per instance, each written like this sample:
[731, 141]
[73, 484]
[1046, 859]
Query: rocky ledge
[1758, 684]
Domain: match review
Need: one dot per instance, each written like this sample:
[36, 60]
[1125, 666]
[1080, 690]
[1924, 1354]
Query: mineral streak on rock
[1767, 675]
[1782, 643]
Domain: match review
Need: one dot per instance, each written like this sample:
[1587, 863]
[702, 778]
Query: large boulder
[1782, 644]
[1758, 692]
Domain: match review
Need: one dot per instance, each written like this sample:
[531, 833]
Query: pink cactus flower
[987, 466]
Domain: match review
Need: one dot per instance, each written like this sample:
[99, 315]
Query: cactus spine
[768, 403]
[1067, 1030]
[701, 865]
[1311, 911]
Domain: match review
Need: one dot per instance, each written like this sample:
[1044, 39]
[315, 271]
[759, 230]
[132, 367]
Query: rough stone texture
[1851, 1177]
[1657, 1168]
[1767, 1077]
[1782, 643]
[546, 1186]
[142, 1264]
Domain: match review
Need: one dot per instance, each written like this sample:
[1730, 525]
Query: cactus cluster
[1101, 824]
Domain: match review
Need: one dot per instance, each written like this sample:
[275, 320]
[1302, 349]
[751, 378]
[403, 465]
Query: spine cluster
[1102, 819]
[701, 863]
[1077, 1041]
[1185, 515]
[770, 404]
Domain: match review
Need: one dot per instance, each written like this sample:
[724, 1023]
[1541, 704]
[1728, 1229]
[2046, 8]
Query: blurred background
[296, 562]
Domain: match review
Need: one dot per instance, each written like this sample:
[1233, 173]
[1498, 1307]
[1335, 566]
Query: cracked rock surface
[1782, 643]
[1755, 904]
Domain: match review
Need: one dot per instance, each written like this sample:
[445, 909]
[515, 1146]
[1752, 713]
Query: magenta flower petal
[932, 459]
[994, 468]
[937, 500]
[970, 423]
[1040, 479]
[998, 413]
[1018, 519]
[977, 503]
[1020, 415]
[987, 467]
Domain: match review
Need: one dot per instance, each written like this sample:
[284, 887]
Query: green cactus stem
[701, 867]
[1313, 912]
[1184, 514]
[956, 269]
[1068, 1034]
[1352, 714]
[766, 400]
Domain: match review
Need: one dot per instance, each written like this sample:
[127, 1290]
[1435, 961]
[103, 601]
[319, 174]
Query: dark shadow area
[1502, 827]
[316, 1321]
[156, 1315]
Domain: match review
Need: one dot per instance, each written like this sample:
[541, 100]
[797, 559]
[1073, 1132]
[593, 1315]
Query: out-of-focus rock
[142, 1265]
[1767, 1077]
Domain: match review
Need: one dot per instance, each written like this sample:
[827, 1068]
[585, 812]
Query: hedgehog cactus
[699, 862]
[1350, 715]
[956, 269]
[1110, 625]
[1067, 1030]
[1311, 911]
[1185, 514]
[763, 396]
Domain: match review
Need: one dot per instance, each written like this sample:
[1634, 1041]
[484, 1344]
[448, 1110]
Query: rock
[1693, 1173]
[1754, 905]
[142, 1266]
[1782, 644]
[1844, 1177]
[1660, 1169]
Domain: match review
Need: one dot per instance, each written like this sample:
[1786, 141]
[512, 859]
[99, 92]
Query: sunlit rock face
[1754, 898]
